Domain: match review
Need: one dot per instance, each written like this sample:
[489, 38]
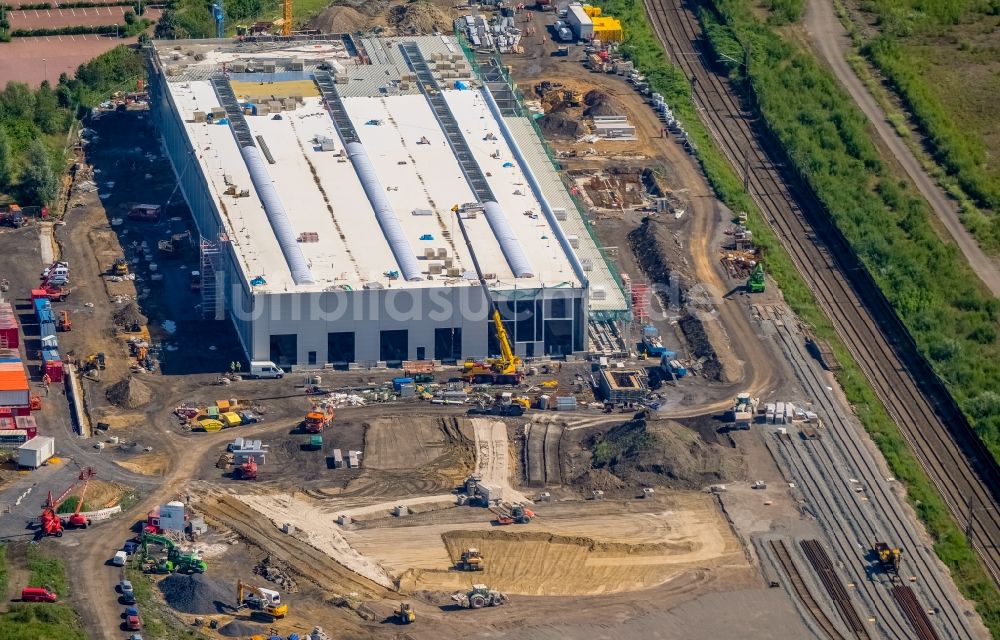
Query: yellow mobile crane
[508, 368]
[286, 24]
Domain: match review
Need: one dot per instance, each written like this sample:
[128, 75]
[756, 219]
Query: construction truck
[317, 420]
[755, 284]
[889, 557]
[404, 614]
[471, 560]
[508, 368]
[120, 267]
[480, 596]
[259, 600]
[246, 471]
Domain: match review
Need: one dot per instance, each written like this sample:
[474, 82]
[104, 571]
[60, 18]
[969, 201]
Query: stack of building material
[353, 459]
[338, 459]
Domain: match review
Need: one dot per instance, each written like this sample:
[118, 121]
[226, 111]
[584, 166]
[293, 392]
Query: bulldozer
[889, 557]
[404, 614]
[480, 596]
[471, 560]
[120, 267]
[93, 362]
[262, 601]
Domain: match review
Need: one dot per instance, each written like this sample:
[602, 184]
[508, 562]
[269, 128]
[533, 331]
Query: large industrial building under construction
[324, 175]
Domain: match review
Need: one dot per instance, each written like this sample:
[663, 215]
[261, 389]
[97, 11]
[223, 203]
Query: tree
[129, 17]
[39, 182]
[5, 158]
[47, 114]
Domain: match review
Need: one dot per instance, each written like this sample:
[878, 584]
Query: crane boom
[286, 24]
[509, 362]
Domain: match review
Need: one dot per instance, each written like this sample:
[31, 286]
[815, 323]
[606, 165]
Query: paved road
[831, 41]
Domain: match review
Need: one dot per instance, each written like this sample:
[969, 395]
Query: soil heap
[646, 451]
[561, 125]
[196, 594]
[128, 317]
[129, 393]
[418, 17]
[240, 629]
[600, 104]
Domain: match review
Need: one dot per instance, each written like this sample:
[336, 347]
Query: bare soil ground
[22, 59]
[56, 18]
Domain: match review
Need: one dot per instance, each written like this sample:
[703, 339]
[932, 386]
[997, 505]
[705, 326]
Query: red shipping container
[54, 369]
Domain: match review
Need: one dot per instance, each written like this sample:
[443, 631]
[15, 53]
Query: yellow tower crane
[286, 19]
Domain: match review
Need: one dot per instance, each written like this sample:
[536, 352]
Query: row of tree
[34, 122]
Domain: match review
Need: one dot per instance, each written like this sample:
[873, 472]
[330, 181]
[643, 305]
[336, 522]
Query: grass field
[40, 621]
[942, 57]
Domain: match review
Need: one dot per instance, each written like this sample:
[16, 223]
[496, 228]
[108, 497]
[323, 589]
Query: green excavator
[755, 284]
[175, 560]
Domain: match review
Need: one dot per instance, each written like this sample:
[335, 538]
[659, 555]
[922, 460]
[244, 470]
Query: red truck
[38, 594]
[12, 216]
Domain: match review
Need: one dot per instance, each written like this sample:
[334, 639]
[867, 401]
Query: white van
[119, 559]
[57, 272]
[265, 369]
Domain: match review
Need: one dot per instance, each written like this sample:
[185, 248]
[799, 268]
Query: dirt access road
[830, 39]
[729, 329]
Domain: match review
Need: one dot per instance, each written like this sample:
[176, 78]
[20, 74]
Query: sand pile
[128, 317]
[196, 594]
[663, 452]
[418, 17]
[129, 393]
[340, 19]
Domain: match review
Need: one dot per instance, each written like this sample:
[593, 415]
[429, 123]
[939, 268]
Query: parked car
[133, 623]
[125, 587]
[130, 547]
[120, 559]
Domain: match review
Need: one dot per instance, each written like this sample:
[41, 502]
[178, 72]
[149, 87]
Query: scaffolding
[211, 282]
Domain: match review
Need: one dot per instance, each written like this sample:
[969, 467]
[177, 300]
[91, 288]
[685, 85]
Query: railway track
[821, 563]
[802, 590]
[917, 616]
[958, 464]
[845, 471]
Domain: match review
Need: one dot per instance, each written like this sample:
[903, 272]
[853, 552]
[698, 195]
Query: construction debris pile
[195, 594]
[500, 34]
[275, 571]
[741, 256]
[129, 393]
[128, 317]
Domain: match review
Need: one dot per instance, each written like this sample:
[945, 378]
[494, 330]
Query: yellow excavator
[508, 368]
[258, 600]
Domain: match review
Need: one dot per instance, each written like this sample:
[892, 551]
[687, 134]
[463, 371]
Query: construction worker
[46, 381]
[232, 367]
[239, 365]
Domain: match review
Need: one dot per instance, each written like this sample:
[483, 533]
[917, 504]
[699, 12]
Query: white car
[120, 558]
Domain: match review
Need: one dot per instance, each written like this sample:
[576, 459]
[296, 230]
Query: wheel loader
[471, 560]
[404, 614]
